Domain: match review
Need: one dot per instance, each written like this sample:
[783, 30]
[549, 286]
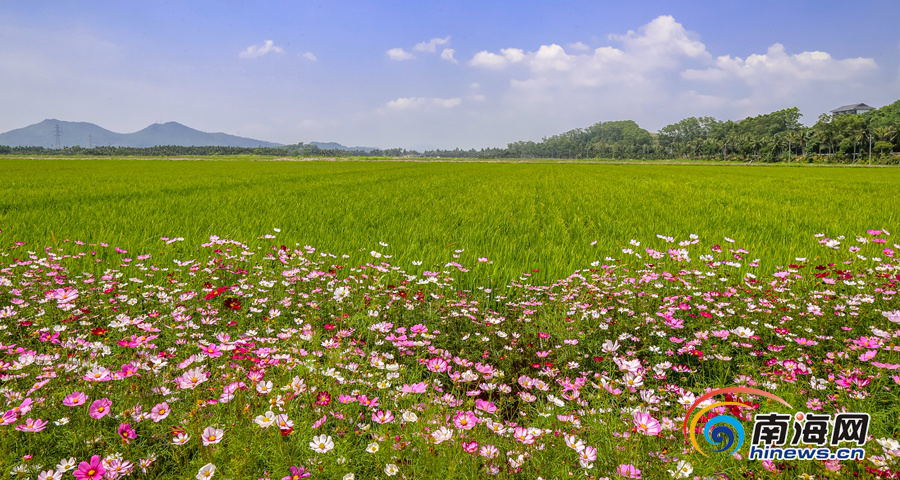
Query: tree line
[779, 136]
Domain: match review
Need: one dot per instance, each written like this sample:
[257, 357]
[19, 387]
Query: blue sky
[437, 74]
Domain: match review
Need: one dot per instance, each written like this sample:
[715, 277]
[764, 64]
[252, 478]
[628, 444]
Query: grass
[522, 217]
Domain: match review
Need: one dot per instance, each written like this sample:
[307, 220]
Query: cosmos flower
[212, 436]
[92, 470]
[321, 444]
[159, 412]
[100, 408]
[75, 399]
[206, 472]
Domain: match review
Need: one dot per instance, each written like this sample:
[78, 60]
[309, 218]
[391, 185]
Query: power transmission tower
[57, 136]
[90, 141]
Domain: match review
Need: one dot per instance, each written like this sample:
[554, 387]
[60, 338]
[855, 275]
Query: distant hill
[85, 134]
[338, 146]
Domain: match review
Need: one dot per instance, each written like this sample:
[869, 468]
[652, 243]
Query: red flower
[215, 293]
[233, 304]
[323, 399]
[99, 331]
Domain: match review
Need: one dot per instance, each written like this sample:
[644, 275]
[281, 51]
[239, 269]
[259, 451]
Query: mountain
[338, 146]
[44, 134]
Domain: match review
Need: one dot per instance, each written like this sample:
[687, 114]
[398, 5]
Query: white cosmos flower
[682, 470]
[265, 421]
[391, 469]
[206, 472]
[321, 444]
[66, 465]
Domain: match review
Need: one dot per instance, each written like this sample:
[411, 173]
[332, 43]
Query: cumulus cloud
[412, 103]
[777, 65]
[447, 54]
[256, 51]
[399, 54]
[507, 56]
[431, 45]
[447, 102]
[310, 56]
[662, 62]
[578, 47]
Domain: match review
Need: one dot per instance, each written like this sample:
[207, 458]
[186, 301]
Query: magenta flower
[127, 432]
[485, 406]
[465, 420]
[212, 351]
[414, 388]
[382, 417]
[23, 407]
[100, 408]
[297, 474]
[646, 424]
[90, 471]
[32, 426]
[212, 436]
[75, 399]
[628, 471]
[159, 412]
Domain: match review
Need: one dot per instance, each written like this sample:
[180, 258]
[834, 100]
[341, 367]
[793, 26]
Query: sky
[437, 74]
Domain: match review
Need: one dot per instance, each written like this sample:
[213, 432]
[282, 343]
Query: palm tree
[885, 133]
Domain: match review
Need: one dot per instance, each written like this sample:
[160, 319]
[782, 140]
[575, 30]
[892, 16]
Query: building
[854, 109]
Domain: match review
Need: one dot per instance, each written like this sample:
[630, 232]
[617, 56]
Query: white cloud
[412, 103]
[776, 65]
[256, 51]
[431, 45]
[447, 54]
[399, 54]
[578, 47]
[507, 56]
[407, 103]
[447, 102]
[310, 56]
[663, 41]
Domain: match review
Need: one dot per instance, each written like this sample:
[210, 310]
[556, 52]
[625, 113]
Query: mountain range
[44, 134]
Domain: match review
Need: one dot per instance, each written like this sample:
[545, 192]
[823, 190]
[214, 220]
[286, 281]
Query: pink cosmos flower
[127, 432]
[297, 474]
[489, 451]
[485, 406]
[521, 434]
[159, 412]
[212, 351]
[90, 471]
[382, 417]
[23, 408]
[465, 420]
[470, 447]
[127, 370]
[212, 436]
[75, 399]
[437, 365]
[414, 388]
[100, 408]
[646, 424]
[628, 471]
[32, 426]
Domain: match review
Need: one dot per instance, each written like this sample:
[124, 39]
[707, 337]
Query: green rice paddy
[522, 217]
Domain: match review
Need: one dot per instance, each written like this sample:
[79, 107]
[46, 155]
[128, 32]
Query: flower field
[286, 362]
[258, 356]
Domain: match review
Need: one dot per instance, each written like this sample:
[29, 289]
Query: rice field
[553, 218]
[344, 320]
